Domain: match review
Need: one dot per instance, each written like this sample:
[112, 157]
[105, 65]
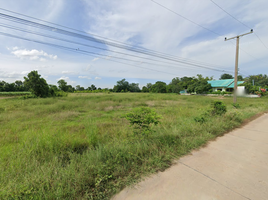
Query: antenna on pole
[236, 59]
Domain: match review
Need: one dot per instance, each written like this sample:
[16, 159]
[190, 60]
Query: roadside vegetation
[85, 146]
[254, 84]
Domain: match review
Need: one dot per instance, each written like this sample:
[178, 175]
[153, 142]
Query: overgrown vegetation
[142, 120]
[7, 94]
[80, 147]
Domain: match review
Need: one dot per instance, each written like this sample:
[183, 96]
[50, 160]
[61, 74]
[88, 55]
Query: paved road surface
[234, 167]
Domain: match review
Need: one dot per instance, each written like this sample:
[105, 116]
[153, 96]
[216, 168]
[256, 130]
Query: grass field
[79, 147]
[8, 94]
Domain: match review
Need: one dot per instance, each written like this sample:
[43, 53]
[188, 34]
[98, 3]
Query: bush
[142, 119]
[218, 108]
[31, 96]
[236, 105]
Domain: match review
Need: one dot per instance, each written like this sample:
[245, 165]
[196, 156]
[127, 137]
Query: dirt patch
[6, 97]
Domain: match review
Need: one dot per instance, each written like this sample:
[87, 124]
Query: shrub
[142, 119]
[218, 108]
[31, 96]
[236, 105]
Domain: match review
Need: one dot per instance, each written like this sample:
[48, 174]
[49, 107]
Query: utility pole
[236, 60]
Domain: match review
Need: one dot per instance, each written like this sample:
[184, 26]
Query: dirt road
[233, 167]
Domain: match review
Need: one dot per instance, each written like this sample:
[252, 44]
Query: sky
[194, 35]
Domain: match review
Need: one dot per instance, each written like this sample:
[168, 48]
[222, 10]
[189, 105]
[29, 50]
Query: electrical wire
[186, 18]
[239, 22]
[78, 51]
[87, 52]
[69, 41]
[61, 31]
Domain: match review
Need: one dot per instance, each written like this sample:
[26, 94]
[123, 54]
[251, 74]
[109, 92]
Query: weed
[218, 108]
[236, 105]
[141, 119]
[79, 147]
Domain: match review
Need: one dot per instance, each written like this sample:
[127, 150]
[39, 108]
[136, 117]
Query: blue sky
[141, 23]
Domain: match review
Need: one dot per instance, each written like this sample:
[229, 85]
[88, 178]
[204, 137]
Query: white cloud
[84, 77]
[68, 72]
[32, 54]
[97, 78]
[63, 78]
[95, 59]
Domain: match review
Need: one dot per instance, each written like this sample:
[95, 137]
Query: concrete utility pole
[236, 60]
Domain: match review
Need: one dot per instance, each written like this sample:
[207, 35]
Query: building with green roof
[226, 85]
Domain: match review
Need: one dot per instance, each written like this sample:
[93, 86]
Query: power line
[230, 15]
[72, 34]
[141, 48]
[239, 22]
[69, 41]
[76, 50]
[201, 25]
[87, 52]
[186, 18]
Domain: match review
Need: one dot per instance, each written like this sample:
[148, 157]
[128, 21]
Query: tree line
[39, 87]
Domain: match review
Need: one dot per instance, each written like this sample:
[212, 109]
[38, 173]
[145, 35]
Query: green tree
[93, 87]
[134, 87]
[121, 85]
[37, 85]
[144, 89]
[240, 78]
[63, 85]
[226, 76]
[159, 87]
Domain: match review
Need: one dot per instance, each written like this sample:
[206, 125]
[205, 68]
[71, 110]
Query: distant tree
[2, 86]
[99, 88]
[63, 85]
[70, 88]
[134, 87]
[159, 87]
[240, 78]
[93, 87]
[78, 88]
[53, 89]
[226, 76]
[144, 89]
[121, 85]
[36, 84]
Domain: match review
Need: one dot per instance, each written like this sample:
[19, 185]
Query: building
[226, 85]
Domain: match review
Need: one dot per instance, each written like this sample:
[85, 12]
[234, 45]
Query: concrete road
[234, 166]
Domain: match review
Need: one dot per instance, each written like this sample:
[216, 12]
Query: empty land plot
[80, 147]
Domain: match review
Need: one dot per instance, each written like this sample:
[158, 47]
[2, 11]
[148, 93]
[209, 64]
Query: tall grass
[4, 94]
[79, 147]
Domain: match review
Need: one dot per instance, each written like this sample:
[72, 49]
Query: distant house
[226, 85]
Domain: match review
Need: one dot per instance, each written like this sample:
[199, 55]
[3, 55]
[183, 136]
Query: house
[226, 85]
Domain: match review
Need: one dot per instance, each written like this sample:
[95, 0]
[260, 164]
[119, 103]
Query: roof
[238, 83]
[226, 83]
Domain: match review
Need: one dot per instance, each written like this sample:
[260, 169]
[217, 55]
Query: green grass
[4, 94]
[79, 147]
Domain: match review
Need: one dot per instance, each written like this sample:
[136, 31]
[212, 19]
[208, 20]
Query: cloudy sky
[101, 46]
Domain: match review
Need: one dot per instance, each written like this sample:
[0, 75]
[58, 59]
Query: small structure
[226, 85]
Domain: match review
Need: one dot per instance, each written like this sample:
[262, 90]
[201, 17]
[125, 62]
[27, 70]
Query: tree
[159, 87]
[226, 76]
[70, 88]
[144, 89]
[63, 85]
[134, 87]
[36, 84]
[121, 85]
[240, 78]
[93, 87]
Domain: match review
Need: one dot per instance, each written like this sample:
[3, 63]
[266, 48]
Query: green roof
[238, 83]
[226, 83]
